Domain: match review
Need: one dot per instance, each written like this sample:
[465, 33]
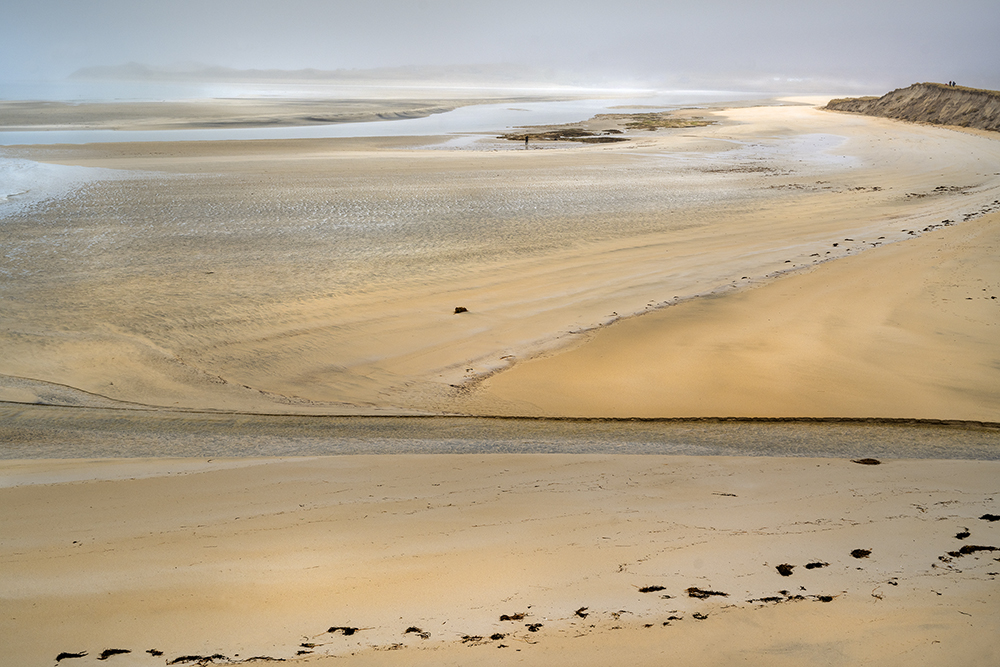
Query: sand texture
[907, 331]
[419, 558]
[782, 261]
[322, 276]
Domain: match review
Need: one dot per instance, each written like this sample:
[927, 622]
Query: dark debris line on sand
[652, 589]
[695, 592]
[108, 652]
[583, 612]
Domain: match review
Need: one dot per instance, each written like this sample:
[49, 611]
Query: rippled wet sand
[55, 432]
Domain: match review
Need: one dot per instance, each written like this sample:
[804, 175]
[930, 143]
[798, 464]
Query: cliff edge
[931, 103]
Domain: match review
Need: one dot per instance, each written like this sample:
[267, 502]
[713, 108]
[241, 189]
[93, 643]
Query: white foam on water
[24, 184]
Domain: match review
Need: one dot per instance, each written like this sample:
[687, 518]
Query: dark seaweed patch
[817, 564]
[66, 655]
[990, 517]
[695, 592]
[971, 549]
[785, 569]
[652, 589]
[861, 553]
[582, 612]
[199, 659]
[108, 652]
[514, 617]
[866, 462]
[344, 629]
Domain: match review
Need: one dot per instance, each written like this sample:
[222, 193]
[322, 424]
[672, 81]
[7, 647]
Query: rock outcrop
[931, 103]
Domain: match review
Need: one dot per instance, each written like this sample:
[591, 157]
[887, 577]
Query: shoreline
[219, 113]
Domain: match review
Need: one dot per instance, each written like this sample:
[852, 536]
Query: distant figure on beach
[525, 141]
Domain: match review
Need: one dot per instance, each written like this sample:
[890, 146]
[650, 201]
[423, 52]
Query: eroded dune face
[323, 276]
[931, 103]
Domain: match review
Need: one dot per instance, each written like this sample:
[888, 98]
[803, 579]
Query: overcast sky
[871, 41]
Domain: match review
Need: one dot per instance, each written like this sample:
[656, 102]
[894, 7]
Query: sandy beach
[541, 559]
[323, 275]
[782, 261]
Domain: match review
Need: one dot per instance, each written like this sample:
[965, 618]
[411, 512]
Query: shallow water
[474, 118]
[33, 432]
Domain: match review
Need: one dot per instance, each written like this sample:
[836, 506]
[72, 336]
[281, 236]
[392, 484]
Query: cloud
[883, 42]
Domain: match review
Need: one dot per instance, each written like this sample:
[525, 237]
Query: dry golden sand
[910, 330]
[258, 557]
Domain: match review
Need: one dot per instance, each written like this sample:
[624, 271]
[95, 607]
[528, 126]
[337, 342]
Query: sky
[871, 43]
